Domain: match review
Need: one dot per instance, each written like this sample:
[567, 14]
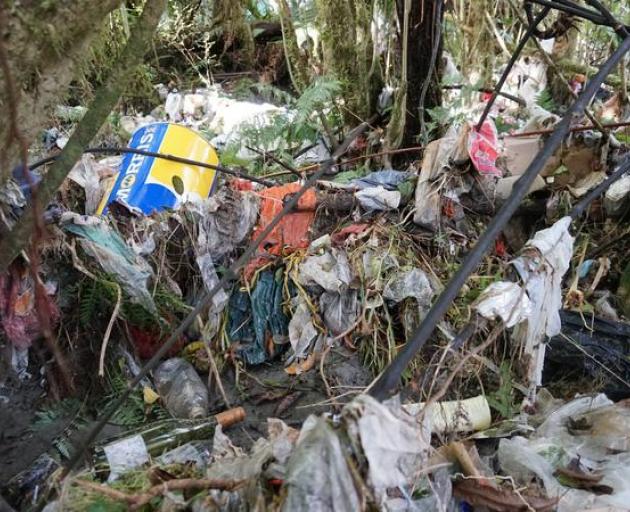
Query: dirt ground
[264, 391]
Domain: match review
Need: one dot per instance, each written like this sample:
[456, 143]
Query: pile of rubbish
[322, 302]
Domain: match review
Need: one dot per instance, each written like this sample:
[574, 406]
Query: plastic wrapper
[181, 389]
[378, 199]
[302, 332]
[589, 431]
[114, 256]
[388, 179]
[483, 149]
[225, 220]
[340, 310]
[395, 445]
[125, 455]
[412, 283]
[210, 280]
[318, 478]
[505, 300]
[330, 270]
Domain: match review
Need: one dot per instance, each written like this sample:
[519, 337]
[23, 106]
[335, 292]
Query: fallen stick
[136, 501]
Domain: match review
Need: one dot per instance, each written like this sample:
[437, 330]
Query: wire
[390, 378]
[228, 276]
[598, 190]
[163, 156]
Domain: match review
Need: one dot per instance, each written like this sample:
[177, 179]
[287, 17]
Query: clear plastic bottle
[181, 389]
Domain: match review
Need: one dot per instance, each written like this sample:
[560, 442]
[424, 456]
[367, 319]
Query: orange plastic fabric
[292, 232]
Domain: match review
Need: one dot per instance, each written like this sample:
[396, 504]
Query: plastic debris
[318, 477]
[292, 231]
[125, 455]
[544, 261]
[330, 270]
[598, 351]
[483, 149]
[616, 197]
[113, 255]
[302, 332]
[378, 198]
[340, 310]
[588, 434]
[181, 389]
[505, 300]
[388, 179]
[394, 444]
[457, 416]
[152, 184]
[412, 283]
[257, 325]
[225, 221]
[18, 314]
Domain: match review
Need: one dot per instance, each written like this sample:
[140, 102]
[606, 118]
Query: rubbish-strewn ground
[250, 355]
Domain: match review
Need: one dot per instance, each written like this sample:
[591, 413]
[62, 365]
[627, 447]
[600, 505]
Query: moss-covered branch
[105, 100]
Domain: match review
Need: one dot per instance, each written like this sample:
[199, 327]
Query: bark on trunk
[425, 18]
[46, 43]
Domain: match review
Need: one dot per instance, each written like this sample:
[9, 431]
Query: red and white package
[483, 148]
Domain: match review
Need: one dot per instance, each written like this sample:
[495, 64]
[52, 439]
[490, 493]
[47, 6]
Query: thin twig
[108, 331]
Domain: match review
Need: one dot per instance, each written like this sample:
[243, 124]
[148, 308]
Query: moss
[347, 47]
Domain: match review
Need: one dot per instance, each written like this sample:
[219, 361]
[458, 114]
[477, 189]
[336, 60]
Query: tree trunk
[46, 44]
[347, 47]
[424, 20]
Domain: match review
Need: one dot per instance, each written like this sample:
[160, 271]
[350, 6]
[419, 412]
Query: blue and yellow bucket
[153, 184]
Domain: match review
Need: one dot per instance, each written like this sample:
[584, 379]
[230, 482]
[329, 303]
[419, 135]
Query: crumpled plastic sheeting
[596, 448]
[544, 261]
[259, 325]
[483, 147]
[436, 157]
[505, 300]
[388, 179]
[87, 173]
[292, 232]
[210, 280]
[318, 478]
[114, 256]
[395, 445]
[230, 463]
[330, 270]
[225, 221]
[302, 332]
[617, 196]
[340, 310]
[378, 199]
[124, 455]
[412, 283]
